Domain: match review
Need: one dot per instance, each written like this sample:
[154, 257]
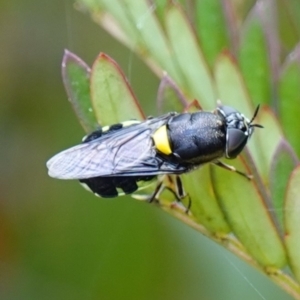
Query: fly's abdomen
[110, 187]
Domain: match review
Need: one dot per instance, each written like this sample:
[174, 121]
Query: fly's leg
[233, 169]
[158, 190]
[176, 188]
[179, 194]
[152, 197]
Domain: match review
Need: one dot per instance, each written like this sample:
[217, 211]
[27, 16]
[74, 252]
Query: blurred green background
[59, 241]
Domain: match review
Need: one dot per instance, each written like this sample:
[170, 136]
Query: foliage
[211, 51]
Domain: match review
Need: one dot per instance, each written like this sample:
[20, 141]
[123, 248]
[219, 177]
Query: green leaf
[232, 91]
[254, 57]
[268, 140]
[289, 22]
[211, 28]
[198, 80]
[170, 97]
[245, 211]
[292, 222]
[147, 34]
[112, 97]
[289, 108]
[103, 11]
[205, 209]
[230, 85]
[165, 39]
[283, 162]
[160, 8]
[155, 42]
[76, 78]
[238, 9]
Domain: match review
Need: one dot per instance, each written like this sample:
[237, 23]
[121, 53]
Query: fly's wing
[125, 152]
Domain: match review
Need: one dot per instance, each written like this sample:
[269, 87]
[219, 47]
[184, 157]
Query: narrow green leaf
[283, 162]
[135, 23]
[268, 139]
[246, 213]
[211, 28]
[76, 78]
[160, 8]
[152, 39]
[170, 97]
[232, 16]
[112, 97]
[232, 91]
[240, 9]
[289, 22]
[110, 14]
[198, 80]
[292, 222]
[205, 209]
[289, 108]
[254, 58]
[230, 85]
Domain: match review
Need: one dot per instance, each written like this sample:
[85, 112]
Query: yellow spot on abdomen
[161, 140]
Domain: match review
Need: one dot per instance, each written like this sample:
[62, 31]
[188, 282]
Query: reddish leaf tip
[70, 57]
[105, 57]
[226, 53]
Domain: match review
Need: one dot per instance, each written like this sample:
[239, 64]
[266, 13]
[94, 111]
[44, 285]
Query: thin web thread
[243, 276]
[140, 24]
[69, 22]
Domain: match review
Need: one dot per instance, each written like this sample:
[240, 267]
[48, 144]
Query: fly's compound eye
[235, 142]
[239, 130]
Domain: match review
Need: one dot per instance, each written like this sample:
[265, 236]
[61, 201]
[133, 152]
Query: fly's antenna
[254, 116]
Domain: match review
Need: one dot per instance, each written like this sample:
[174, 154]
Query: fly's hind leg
[153, 197]
[178, 191]
[182, 194]
[173, 186]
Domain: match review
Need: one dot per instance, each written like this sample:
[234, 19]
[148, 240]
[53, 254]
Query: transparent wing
[126, 152]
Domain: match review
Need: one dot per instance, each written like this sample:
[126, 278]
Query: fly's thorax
[192, 137]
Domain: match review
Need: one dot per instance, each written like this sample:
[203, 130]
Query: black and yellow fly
[120, 156]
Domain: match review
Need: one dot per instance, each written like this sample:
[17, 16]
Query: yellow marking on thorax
[161, 140]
